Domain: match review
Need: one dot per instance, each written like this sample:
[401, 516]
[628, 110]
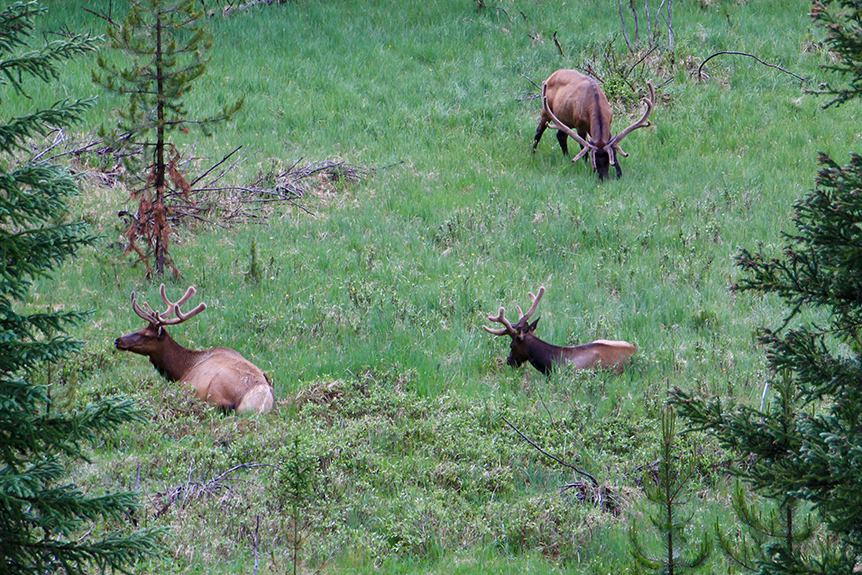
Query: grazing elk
[544, 356]
[219, 375]
[579, 109]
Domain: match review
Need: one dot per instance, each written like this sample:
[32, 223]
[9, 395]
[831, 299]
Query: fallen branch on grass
[530, 96]
[600, 495]
[700, 68]
[480, 5]
[208, 198]
[245, 203]
[192, 490]
[230, 8]
[554, 457]
[557, 43]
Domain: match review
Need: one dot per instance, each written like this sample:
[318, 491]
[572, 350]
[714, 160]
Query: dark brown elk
[545, 356]
[575, 106]
[219, 375]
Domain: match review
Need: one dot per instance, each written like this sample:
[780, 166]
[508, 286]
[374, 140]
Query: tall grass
[385, 287]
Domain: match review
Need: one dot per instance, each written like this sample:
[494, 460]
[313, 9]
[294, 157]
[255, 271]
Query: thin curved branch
[527, 78]
[557, 43]
[700, 68]
[555, 458]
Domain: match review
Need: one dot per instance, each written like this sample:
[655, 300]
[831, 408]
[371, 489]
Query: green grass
[382, 293]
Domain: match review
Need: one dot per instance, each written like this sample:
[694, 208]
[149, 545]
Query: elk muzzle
[601, 163]
[518, 354]
[143, 342]
[125, 343]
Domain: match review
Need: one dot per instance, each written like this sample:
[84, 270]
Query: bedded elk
[219, 375]
[579, 109]
[545, 356]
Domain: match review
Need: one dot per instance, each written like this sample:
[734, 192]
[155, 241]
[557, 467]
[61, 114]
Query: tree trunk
[160, 213]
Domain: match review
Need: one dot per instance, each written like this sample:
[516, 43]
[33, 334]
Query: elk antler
[148, 314]
[558, 125]
[535, 301]
[173, 308]
[642, 123]
[501, 318]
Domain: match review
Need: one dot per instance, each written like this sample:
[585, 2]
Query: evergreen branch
[16, 24]
[40, 509]
[66, 113]
[113, 552]
[42, 64]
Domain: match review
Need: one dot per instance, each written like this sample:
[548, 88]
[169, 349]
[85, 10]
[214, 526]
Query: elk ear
[532, 327]
[162, 332]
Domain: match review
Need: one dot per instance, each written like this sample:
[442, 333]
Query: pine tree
[44, 517]
[766, 439]
[667, 491]
[295, 484]
[167, 45]
[845, 42]
[807, 447]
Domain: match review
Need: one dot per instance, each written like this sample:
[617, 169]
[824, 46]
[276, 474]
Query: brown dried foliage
[151, 223]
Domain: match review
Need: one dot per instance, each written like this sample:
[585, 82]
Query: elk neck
[544, 356]
[599, 128]
[172, 360]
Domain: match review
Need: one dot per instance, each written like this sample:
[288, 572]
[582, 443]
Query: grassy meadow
[368, 305]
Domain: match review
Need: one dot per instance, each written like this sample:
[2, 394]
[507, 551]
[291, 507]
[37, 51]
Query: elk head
[147, 341]
[523, 339]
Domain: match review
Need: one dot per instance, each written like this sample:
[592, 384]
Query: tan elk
[579, 109]
[219, 375]
[545, 356]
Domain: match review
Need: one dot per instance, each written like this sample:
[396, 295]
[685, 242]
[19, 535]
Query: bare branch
[554, 457]
[623, 20]
[214, 166]
[800, 78]
[190, 490]
[105, 17]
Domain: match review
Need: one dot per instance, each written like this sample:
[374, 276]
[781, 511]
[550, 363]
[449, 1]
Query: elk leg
[561, 138]
[619, 169]
[539, 131]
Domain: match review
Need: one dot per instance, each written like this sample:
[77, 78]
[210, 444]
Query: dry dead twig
[700, 68]
[599, 495]
[557, 43]
[230, 8]
[554, 457]
[208, 198]
[246, 203]
[193, 490]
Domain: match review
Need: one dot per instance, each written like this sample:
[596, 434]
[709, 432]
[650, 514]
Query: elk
[544, 356]
[219, 375]
[579, 109]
